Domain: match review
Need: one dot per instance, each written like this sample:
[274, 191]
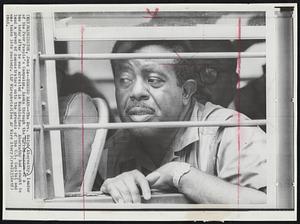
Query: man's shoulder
[213, 112]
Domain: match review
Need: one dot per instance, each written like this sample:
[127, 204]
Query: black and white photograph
[173, 112]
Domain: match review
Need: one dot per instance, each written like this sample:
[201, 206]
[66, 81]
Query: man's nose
[139, 91]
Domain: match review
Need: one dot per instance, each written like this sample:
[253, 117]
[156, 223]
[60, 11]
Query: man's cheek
[121, 97]
[121, 106]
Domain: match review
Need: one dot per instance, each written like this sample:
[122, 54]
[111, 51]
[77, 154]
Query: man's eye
[155, 82]
[125, 81]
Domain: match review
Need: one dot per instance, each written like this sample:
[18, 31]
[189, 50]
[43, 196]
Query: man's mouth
[140, 114]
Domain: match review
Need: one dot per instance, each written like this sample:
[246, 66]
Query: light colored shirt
[225, 152]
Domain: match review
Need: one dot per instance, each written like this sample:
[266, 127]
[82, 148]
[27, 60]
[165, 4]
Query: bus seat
[76, 143]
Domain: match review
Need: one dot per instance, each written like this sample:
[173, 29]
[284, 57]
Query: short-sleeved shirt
[234, 154]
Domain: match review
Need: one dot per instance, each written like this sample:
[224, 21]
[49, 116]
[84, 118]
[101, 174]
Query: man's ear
[188, 90]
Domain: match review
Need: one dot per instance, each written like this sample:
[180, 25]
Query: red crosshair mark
[152, 13]
[82, 123]
[178, 57]
[238, 104]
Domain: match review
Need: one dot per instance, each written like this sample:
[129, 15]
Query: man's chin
[144, 132]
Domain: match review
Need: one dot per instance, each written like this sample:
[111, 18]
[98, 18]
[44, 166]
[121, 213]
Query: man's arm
[230, 185]
[204, 188]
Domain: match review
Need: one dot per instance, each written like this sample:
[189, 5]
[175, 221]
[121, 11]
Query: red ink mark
[82, 124]
[178, 56]
[152, 14]
[238, 104]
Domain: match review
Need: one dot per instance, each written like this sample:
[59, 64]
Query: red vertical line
[238, 104]
[82, 124]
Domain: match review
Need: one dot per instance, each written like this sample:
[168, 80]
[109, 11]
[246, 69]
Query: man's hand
[124, 187]
[165, 174]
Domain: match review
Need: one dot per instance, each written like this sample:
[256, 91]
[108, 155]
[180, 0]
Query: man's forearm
[204, 188]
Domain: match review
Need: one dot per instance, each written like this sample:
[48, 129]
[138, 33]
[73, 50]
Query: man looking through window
[206, 164]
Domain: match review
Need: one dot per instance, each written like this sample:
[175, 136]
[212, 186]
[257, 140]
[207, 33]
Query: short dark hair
[184, 68]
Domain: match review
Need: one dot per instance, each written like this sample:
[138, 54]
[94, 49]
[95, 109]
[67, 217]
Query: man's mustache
[132, 106]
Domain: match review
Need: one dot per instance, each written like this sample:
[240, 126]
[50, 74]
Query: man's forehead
[144, 63]
[131, 46]
[152, 48]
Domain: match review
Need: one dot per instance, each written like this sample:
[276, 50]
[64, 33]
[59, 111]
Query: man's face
[147, 90]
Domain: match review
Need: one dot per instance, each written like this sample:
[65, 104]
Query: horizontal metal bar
[192, 55]
[99, 200]
[169, 124]
[199, 32]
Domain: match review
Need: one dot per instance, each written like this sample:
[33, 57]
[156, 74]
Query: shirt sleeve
[241, 157]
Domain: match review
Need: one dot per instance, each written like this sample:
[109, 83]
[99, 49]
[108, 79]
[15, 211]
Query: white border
[184, 215]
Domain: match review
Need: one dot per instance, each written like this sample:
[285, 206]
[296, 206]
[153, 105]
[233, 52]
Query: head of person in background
[218, 77]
